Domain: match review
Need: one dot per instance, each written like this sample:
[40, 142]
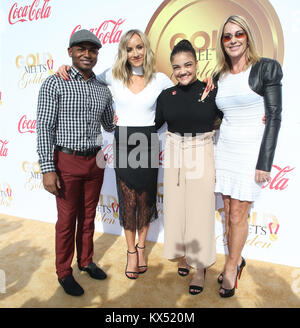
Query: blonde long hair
[122, 69]
[223, 61]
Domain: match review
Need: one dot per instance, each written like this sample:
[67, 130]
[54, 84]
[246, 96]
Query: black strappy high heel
[133, 272]
[141, 266]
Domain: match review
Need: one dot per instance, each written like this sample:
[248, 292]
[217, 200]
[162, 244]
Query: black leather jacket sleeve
[265, 79]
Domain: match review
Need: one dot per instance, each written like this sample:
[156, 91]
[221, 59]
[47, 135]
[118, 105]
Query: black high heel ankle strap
[131, 252]
[137, 245]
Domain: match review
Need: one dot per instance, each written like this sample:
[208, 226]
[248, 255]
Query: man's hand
[51, 183]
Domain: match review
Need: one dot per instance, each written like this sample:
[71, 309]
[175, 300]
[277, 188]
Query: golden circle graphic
[199, 22]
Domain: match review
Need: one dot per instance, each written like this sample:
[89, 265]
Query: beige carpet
[27, 258]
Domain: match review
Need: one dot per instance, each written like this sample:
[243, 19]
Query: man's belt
[85, 153]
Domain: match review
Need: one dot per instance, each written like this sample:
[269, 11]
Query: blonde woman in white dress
[249, 87]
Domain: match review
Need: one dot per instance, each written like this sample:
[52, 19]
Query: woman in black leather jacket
[248, 87]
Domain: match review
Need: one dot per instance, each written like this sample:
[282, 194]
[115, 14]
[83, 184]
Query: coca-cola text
[280, 180]
[26, 126]
[3, 148]
[30, 13]
[107, 32]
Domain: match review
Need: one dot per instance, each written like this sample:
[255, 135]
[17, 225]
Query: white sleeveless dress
[240, 137]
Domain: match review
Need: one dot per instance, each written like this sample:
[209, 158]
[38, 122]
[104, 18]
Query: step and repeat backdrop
[34, 39]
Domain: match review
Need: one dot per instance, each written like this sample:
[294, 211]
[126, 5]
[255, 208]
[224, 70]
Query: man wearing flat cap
[69, 118]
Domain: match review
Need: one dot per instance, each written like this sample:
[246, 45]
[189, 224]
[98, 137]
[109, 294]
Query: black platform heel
[242, 265]
[231, 292]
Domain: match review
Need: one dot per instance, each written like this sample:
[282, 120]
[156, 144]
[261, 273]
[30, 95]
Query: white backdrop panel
[274, 223]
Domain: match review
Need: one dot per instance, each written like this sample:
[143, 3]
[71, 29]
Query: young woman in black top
[190, 111]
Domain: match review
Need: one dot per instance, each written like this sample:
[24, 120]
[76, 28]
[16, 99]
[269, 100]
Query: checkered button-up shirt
[70, 114]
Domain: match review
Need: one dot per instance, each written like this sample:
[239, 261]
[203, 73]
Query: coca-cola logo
[107, 32]
[26, 125]
[280, 180]
[3, 148]
[37, 10]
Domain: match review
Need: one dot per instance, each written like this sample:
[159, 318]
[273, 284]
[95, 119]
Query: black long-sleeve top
[184, 112]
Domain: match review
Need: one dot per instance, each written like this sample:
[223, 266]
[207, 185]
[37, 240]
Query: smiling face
[184, 68]
[84, 57]
[234, 41]
[135, 51]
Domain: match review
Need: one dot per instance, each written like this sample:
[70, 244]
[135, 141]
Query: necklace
[137, 70]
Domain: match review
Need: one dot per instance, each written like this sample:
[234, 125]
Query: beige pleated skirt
[189, 199]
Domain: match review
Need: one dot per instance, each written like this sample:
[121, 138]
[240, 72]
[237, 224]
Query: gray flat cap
[84, 36]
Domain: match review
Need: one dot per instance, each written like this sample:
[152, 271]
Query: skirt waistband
[189, 141]
[186, 143]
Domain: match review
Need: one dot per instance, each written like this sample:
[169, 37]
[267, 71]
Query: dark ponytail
[183, 46]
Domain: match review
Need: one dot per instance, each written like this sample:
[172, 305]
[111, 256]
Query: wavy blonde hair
[122, 69]
[223, 61]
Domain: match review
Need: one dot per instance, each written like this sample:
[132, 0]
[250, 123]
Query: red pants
[81, 180]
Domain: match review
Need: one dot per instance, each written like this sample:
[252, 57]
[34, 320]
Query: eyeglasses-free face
[184, 68]
[238, 35]
[84, 56]
[135, 51]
